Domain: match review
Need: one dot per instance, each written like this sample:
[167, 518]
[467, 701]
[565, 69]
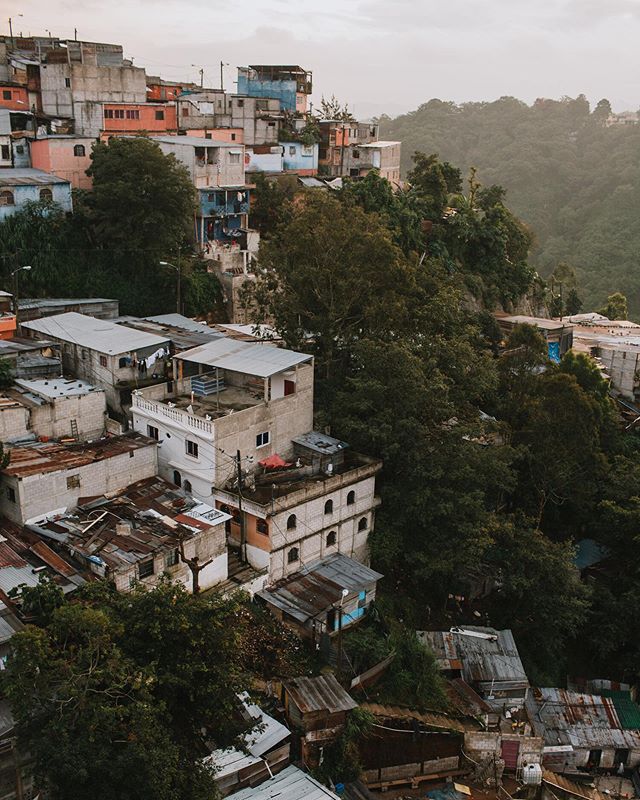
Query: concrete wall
[14, 423]
[252, 115]
[40, 494]
[300, 158]
[224, 166]
[58, 157]
[32, 194]
[54, 419]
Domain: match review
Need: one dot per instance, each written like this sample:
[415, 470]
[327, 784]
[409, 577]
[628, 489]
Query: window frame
[153, 432]
[292, 522]
[261, 441]
[145, 565]
[351, 498]
[191, 449]
[293, 555]
[328, 506]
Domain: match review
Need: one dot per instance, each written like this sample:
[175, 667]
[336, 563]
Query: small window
[108, 113]
[240, 103]
[85, 355]
[67, 83]
[293, 555]
[292, 150]
[160, 114]
[145, 568]
[271, 124]
[262, 527]
[332, 538]
[46, 195]
[262, 439]
[292, 522]
[11, 494]
[187, 487]
[233, 137]
[20, 149]
[185, 111]
[103, 361]
[234, 158]
[131, 453]
[6, 152]
[172, 557]
[73, 482]
[6, 94]
[152, 432]
[328, 507]
[177, 478]
[191, 448]
[351, 498]
[363, 524]
[125, 361]
[79, 150]
[356, 154]
[6, 198]
[119, 113]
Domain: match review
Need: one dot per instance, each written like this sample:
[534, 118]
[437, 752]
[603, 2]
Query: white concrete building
[210, 162]
[44, 478]
[55, 408]
[114, 357]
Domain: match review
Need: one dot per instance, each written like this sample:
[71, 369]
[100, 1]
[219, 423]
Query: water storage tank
[532, 775]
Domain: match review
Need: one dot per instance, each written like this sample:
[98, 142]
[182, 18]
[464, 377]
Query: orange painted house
[163, 91]
[158, 118]
[14, 97]
[220, 134]
[67, 157]
[7, 316]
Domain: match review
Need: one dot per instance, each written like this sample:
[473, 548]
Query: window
[187, 487]
[11, 494]
[332, 538]
[119, 113]
[133, 113]
[177, 478]
[172, 557]
[234, 158]
[145, 568]
[271, 124]
[160, 114]
[292, 522]
[293, 555]
[6, 94]
[351, 498]
[328, 507]
[152, 432]
[79, 150]
[67, 83]
[191, 448]
[20, 149]
[131, 453]
[240, 103]
[185, 111]
[262, 439]
[621, 756]
[108, 113]
[233, 137]
[356, 154]
[85, 355]
[6, 198]
[262, 527]
[363, 524]
[6, 152]
[73, 481]
[46, 195]
[125, 361]
[103, 361]
[292, 150]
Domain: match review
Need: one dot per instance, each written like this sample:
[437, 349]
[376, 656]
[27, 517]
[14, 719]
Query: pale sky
[377, 55]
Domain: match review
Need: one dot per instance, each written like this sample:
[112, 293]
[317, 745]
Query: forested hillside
[571, 179]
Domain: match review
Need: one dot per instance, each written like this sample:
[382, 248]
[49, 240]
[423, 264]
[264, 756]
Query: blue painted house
[300, 158]
[223, 215]
[25, 185]
[290, 84]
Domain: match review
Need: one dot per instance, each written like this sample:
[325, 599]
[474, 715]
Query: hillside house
[291, 85]
[65, 156]
[19, 186]
[558, 335]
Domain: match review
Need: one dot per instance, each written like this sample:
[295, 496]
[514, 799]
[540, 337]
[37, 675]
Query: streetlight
[177, 269]
[11, 28]
[345, 592]
[14, 275]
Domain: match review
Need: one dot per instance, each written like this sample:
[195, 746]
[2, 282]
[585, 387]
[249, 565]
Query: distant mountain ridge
[574, 180]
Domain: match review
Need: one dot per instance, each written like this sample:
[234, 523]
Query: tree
[573, 304]
[334, 110]
[602, 111]
[270, 202]
[6, 373]
[433, 181]
[616, 307]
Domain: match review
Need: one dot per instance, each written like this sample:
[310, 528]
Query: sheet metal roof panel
[343, 571]
[25, 176]
[100, 335]
[290, 784]
[249, 358]
[322, 693]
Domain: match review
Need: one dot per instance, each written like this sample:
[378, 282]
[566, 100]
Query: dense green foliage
[496, 461]
[139, 213]
[120, 696]
[571, 179]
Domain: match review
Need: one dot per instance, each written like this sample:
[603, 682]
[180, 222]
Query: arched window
[292, 522]
[363, 524]
[177, 478]
[328, 507]
[78, 150]
[46, 195]
[293, 555]
[6, 198]
[332, 538]
[187, 487]
[351, 498]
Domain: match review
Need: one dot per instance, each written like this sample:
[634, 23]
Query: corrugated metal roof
[25, 176]
[249, 358]
[290, 784]
[186, 323]
[322, 693]
[100, 335]
[628, 711]
[571, 787]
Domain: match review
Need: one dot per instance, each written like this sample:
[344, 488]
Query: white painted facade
[210, 162]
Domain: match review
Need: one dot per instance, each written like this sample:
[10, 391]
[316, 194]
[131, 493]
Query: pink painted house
[67, 157]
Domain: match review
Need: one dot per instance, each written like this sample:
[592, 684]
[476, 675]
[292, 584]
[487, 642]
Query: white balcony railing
[176, 415]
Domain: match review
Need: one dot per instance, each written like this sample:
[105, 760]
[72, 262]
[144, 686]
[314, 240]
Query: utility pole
[223, 64]
[243, 534]
[202, 77]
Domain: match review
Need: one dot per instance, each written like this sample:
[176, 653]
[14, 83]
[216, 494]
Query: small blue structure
[222, 214]
[301, 158]
[289, 84]
[20, 186]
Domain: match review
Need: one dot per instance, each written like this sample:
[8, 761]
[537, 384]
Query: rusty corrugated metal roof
[322, 693]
